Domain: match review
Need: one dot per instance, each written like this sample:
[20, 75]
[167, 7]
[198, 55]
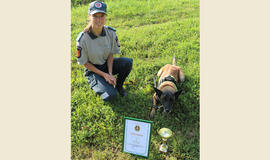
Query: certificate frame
[146, 138]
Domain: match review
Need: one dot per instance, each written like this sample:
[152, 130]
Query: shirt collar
[93, 36]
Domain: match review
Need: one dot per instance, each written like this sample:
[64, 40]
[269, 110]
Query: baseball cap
[97, 7]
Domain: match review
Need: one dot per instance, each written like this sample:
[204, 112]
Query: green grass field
[151, 32]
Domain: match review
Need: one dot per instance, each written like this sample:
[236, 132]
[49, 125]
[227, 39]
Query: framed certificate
[137, 136]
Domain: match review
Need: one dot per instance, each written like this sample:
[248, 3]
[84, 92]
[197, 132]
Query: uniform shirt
[96, 49]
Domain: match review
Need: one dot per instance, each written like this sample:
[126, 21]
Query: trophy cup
[165, 133]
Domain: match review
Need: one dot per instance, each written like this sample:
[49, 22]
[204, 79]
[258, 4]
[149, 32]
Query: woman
[95, 48]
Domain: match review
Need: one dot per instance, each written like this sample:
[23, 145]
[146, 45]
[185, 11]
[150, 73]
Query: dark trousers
[121, 66]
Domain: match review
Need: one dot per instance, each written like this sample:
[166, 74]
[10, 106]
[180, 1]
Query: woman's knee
[128, 63]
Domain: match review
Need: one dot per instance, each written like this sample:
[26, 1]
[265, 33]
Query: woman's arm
[109, 78]
[110, 66]
[92, 68]
[110, 63]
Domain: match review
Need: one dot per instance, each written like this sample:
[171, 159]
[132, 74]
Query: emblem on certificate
[137, 136]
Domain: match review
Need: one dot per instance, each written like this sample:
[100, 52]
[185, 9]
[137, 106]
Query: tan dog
[166, 93]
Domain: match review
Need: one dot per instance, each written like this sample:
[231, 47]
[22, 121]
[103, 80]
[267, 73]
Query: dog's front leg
[155, 103]
[153, 111]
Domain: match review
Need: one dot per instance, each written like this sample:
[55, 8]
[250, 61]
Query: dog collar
[168, 78]
[165, 84]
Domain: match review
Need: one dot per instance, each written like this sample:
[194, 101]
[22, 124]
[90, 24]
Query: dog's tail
[173, 61]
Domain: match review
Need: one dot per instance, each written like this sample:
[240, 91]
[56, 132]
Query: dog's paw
[152, 114]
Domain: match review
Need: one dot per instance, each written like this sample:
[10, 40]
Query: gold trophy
[165, 133]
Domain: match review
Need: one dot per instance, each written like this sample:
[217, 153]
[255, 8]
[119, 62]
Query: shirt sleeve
[116, 45]
[82, 57]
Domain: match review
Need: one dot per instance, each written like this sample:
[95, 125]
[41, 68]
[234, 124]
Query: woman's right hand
[110, 79]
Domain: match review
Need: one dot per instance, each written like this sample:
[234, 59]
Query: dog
[167, 93]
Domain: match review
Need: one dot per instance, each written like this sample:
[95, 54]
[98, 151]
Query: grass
[151, 32]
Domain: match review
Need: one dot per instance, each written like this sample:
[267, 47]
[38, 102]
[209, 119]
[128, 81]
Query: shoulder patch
[111, 28]
[79, 37]
[79, 49]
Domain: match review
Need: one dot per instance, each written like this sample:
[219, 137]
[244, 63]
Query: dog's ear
[181, 75]
[160, 72]
[158, 92]
[176, 94]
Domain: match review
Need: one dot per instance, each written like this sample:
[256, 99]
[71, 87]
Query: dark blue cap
[97, 7]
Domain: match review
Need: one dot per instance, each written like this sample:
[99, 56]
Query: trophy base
[163, 148]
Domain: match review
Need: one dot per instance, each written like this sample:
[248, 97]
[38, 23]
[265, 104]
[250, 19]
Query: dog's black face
[167, 98]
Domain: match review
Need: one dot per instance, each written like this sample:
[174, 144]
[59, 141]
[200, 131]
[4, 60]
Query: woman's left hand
[113, 79]
[110, 79]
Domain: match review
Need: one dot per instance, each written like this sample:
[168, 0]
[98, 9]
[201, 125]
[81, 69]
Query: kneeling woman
[95, 48]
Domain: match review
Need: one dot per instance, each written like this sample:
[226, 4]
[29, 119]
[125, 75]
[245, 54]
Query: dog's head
[167, 98]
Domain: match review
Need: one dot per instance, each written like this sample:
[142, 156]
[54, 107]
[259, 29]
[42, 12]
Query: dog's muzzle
[167, 110]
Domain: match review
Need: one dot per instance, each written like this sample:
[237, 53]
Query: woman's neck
[96, 31]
